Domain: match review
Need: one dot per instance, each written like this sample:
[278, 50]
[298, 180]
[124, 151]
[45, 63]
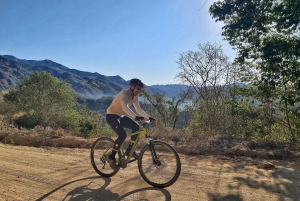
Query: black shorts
[118, 124]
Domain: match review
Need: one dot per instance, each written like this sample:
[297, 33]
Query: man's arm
[126, 109]
[139, 110]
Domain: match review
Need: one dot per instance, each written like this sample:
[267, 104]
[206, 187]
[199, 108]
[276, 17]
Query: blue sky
[129, 38]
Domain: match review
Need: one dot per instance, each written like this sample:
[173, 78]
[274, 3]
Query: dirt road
[28, 173]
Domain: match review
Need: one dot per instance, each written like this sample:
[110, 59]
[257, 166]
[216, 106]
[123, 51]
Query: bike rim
[165, 171]
[102, 148]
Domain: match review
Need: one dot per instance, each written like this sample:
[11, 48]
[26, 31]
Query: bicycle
[158, 162]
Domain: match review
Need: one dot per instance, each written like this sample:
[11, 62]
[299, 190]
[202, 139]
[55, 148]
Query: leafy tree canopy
[43, 100]
[248, 23]
[266, 33]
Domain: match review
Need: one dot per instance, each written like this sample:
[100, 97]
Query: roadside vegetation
[246, 107]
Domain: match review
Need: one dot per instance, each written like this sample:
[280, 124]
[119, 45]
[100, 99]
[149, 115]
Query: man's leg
[114, 122]
[131, 124]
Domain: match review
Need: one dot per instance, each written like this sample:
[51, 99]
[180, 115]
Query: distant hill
[170, 90]
[86, 84]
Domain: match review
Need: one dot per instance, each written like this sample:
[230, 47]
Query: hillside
[86, 84]
[89, 85]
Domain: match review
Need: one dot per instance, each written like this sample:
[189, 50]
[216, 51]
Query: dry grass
[39, 137]
[231, 147]
[215, 144]
[183, 143]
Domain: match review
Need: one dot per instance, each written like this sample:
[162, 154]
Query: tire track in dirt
[29, 173]
[32, 177]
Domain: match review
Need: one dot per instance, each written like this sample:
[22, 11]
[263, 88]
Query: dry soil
[49, 173]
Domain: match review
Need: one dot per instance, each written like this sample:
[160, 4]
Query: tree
[167, 110]
[265, 32]
[208, 71]
[87, 123]
[266, 35]
[210, 74]
[43, 100]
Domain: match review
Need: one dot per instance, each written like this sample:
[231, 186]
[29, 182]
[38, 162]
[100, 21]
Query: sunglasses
[139, 88]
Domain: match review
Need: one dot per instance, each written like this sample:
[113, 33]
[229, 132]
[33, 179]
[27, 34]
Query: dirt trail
[28, 173]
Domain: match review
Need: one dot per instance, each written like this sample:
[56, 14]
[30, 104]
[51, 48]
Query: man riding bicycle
[115, 118]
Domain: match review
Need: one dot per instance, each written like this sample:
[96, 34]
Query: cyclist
[117, 121]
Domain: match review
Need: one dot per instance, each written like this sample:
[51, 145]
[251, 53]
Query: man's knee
[135, 127]
[121, 135]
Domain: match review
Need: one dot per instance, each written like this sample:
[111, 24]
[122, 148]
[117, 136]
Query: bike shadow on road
[90, 188]
[82, 189]
[147, 193]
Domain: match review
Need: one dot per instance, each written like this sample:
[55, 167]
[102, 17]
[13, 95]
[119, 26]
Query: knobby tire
[165, 171]
[100, 147]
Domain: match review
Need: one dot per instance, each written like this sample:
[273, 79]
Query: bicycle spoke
[99, 151]
[163, 170]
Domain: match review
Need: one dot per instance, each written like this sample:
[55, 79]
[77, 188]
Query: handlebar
[146, 123]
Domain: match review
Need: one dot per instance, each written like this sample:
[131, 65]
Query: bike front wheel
[159, 164]
[101, 149]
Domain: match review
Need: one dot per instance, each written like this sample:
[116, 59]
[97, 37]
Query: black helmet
[136, 82]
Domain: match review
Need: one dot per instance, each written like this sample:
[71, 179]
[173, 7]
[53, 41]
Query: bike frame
[143, 131]
[146, 166]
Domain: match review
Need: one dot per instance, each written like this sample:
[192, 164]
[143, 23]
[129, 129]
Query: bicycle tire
[167, 172]
[102, 146]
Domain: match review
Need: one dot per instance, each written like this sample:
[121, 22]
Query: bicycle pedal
[132, 160]
[122, 163]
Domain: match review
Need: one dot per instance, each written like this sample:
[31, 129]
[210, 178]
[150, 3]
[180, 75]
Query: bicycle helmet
[136, 82]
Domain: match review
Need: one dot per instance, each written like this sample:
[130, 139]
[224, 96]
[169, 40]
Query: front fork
[153, 152]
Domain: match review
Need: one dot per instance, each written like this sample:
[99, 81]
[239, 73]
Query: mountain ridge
[86, 84]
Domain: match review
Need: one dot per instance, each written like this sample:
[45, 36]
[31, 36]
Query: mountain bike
[158, 162]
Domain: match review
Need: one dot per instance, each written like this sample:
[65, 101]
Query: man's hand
[140, 119]
[152, 120]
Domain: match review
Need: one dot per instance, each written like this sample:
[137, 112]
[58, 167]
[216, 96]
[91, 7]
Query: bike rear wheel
[102, 148]
[161, 170]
